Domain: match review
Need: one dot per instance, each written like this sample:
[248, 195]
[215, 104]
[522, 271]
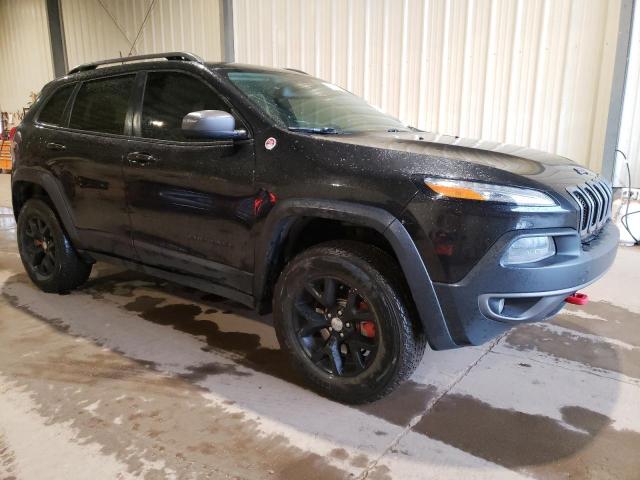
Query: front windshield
[301, 102]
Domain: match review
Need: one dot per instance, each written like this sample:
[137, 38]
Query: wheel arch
[287, 214]
[30, 182]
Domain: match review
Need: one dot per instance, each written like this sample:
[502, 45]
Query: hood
[423, 153]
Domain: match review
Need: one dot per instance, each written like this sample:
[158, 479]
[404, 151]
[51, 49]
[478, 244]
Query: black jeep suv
[366, 238]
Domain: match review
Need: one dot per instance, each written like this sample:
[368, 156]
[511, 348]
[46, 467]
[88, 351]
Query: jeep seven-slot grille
[594, 201]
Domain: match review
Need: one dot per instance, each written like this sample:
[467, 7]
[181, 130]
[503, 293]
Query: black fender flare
[286, 212]
[50, 184]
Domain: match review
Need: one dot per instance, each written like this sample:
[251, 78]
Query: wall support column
[56, 35]
[228, 51]
[617, 89]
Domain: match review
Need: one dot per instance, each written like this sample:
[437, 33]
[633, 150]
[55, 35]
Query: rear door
[191, 201]
[86, 153]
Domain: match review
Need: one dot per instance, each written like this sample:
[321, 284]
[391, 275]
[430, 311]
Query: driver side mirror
[213, 124]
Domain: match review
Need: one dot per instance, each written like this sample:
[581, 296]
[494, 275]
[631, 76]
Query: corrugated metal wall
[25, 59]
[98, 29]
[629, 141]
[530, 72]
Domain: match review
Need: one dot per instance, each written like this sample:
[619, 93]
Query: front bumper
[492, 297]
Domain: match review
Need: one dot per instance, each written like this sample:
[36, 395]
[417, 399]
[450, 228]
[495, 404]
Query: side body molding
[286, 212]
[53, 187]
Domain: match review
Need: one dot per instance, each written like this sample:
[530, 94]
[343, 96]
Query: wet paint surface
[601, 318]
[125, 407]
[132, 377]
[534, 443]
[182, 317]
[571, 346]
[402, 405]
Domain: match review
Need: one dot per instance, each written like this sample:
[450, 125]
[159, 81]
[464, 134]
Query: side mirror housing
[213, 124]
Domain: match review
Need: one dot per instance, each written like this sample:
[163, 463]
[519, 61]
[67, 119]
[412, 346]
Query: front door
[191, 201]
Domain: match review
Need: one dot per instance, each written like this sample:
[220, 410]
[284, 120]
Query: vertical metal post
[228, 51]
[56, 35]
[617, 88]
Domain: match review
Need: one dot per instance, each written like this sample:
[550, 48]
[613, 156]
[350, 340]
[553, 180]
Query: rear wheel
[341, 313]
[46, 252]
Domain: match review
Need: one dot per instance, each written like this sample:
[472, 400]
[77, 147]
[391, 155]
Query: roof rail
[184, 56]
[297, 71]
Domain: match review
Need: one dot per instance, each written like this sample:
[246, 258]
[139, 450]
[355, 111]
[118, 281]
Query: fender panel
[54, 189]
[285, 213]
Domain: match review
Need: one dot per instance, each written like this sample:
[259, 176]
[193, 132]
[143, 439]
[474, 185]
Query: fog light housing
[529, 250]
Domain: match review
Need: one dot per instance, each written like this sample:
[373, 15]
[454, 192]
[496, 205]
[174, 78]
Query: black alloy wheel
[39, 246]
[343, 316]
[46, 251]
[335, 327]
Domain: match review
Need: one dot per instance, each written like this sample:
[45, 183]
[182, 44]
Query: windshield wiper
[321, 130]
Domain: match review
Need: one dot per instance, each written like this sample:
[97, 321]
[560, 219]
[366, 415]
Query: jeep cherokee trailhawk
[367, 239]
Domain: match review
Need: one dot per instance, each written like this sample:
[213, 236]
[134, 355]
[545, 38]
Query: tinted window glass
[53, 110]
[168, 97]
[101, 105]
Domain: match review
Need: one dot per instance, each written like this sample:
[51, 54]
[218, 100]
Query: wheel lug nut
[347, 325]
[330, 329]
[342, 334]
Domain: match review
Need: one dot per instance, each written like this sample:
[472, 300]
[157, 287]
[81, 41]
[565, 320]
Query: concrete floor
[131, 377]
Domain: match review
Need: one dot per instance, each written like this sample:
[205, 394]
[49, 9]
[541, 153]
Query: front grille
[594, 201]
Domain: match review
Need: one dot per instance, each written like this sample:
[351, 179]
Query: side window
[54, 108]
[101, 105]
[168, 97]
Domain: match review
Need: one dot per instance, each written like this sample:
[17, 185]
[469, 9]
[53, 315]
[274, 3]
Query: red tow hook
[578, 299]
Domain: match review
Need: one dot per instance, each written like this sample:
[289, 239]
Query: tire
[370, 289]
[46, 252]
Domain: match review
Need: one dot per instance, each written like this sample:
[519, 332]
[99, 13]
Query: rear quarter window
[53, 110]
[101, 105]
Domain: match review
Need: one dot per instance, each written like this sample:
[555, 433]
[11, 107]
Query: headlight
[489, 193]
[529, 249]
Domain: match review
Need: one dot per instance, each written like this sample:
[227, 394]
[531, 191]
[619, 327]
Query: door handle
[140, 158]
[55, 146]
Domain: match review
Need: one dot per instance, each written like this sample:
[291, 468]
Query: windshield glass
[302, 102]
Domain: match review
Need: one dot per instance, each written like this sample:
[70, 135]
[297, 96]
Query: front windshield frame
[308, 104]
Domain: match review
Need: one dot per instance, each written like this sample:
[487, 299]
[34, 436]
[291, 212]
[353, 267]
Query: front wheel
[341, 313]
[46, 252]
